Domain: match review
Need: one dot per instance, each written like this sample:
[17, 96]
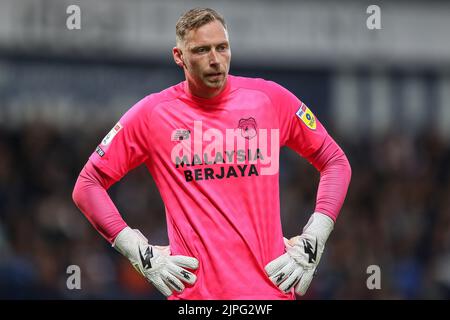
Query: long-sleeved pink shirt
[216, 165]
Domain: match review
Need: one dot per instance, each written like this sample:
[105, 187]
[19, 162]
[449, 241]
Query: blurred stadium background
[384, 95]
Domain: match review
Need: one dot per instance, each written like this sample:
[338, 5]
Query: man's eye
[201, 50]
[221, 48]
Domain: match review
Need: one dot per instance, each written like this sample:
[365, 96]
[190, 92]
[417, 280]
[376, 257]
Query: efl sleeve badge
[306, 116]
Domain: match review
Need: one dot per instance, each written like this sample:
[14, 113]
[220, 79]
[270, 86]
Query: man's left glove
[297, 266]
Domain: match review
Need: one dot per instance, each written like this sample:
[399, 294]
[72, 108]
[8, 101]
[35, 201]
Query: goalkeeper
[211, 144]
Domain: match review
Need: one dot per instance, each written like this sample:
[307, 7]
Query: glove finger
[171, 281]
[161, 286]
[285, 272]
[277, 264]
[303, 285]
[185, 262]
[181, 273]
[292, 280]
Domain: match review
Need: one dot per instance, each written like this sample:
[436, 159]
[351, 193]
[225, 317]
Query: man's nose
[213, 58]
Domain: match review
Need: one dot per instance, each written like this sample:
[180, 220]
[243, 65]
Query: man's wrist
[319, 225]
[127, 242]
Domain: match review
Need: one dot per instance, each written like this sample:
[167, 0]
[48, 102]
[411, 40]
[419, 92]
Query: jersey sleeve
[300, 130]
[126, 144]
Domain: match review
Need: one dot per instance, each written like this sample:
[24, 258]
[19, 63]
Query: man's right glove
[164, 271]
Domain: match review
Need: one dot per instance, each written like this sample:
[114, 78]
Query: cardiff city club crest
[248, 127]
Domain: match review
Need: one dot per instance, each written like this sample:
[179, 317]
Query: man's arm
[155, 263]
[91, 197]
[297, 266]
[124, 148]
[302, 132]
[335, 175]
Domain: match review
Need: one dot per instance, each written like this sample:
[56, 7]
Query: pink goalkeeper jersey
[215, 163]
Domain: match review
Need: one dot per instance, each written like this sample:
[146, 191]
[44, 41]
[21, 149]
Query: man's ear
[178, 56]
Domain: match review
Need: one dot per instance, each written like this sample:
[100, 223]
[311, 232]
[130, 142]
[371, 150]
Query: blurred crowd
[396, 216]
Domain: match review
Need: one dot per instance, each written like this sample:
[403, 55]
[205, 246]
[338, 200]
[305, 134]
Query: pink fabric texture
[92, 199]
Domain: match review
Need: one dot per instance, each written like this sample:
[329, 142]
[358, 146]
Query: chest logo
[181, 134]
[248, 127]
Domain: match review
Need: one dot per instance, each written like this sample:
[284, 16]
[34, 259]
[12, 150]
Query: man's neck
[208, 93]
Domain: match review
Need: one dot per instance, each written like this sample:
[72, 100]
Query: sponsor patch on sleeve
[100, 151]
[108, 138]
[306, 116]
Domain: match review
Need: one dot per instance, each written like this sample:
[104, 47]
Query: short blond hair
[194, 19]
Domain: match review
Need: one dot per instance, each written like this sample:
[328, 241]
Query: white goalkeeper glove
[297, 266]
[155, 263]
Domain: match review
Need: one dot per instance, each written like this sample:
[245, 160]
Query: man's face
[205, 56]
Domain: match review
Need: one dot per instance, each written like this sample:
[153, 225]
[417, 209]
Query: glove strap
[320, 225]
[128, 242]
